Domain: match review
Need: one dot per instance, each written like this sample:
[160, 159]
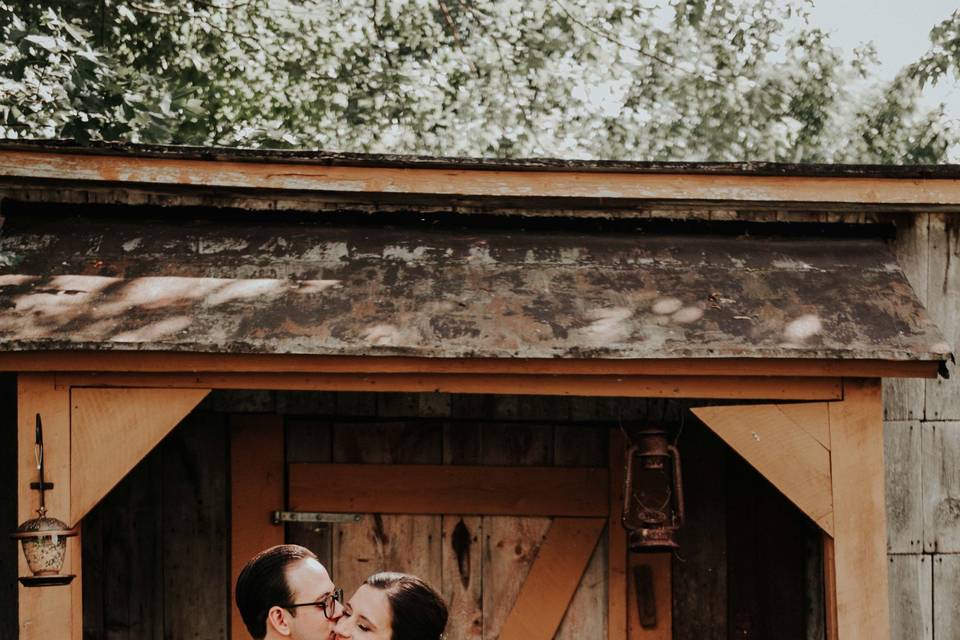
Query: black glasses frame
[327, 604]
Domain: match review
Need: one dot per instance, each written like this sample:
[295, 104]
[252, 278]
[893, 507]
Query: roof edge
[189, 363]
[338, 158]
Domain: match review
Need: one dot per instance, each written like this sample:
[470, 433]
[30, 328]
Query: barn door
[518, 551]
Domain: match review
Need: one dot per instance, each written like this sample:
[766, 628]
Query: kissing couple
[285, 593]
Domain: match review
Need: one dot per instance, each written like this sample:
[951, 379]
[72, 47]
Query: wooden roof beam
[58, 168]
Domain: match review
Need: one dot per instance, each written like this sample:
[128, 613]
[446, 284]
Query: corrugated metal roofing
[363, 290]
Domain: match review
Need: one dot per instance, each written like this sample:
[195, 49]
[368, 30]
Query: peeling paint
[449, 293]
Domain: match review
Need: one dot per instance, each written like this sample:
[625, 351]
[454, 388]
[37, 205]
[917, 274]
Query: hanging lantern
[653, 496]
[44, 540]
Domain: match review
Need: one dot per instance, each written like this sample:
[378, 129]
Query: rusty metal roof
[297, 288]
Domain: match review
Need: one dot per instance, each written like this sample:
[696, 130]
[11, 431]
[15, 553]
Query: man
[285, 593]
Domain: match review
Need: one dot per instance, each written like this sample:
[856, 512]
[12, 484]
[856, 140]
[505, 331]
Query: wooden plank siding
[144, 526]
[9, 553]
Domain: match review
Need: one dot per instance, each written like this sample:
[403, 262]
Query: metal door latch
[279, 517]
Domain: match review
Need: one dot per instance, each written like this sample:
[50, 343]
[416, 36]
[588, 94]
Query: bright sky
[898, 28]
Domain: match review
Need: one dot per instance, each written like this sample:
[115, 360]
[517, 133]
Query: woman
[393, 606]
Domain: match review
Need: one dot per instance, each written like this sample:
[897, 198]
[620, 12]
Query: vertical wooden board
[814, 599]
[911, 597]
[462, 555]
[700, 567]
[830, 623]
[765, 558]
[256, 443]
[131, 562]
[398, 405]
[510, 544]
[617, 590]
[46, 613]
[387, 542]
[310, 440]
[196, 574]
[745, 617]
[553, 579]
[356, 403]
[943, 303]
[8, 506]
[587, 612]
[941, 487]
[946, 595]
[904, 489]
[306, 403]
[660, 588]
[535, 408]
[94, 578]
[462, 575]
[856, 435]
[903, 398]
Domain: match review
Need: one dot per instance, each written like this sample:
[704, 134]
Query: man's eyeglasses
[327, 604]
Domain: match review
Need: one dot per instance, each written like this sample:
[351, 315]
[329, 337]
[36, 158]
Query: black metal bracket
[41, 486]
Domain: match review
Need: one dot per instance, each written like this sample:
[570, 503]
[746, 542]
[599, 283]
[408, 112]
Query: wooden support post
[256, 489]
[858, 551]
[47, 612]
[616, 542]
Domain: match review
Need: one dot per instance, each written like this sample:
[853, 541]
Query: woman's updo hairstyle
[418, 612]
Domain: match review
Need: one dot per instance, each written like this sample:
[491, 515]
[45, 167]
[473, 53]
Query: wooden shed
[437, 365]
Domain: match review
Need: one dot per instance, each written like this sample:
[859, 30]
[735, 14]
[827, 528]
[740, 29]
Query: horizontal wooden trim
[735, 387]
[177, 362]
[429, 489]
[613, 185]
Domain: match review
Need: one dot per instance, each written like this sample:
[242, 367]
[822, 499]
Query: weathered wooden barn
[437, 365]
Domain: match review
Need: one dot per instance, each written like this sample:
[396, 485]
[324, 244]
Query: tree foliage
[708, 80]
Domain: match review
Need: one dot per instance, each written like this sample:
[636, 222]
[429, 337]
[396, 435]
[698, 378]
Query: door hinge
[279, 517]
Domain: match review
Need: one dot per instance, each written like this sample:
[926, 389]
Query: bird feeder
[44, 539]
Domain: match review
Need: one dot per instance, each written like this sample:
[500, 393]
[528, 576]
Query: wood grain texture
[700, 572]
[47, 613]
[941, 486]
[553, 579]
[381, 542]
[617, 589]
[830, 622]
[856, 434]
[661, 570]
[943, 304]
[510, 543]
[575, 445]
[112, 430]
[904, 486]
[911, 597]
[529, 183]
[176, 362]
[903, 399]
[734, 387]
[946, 595]
[310, 440]
[787, 455]
[463, 535]
[256, 489]
[197, 565]
[9, 553]
[430, 489]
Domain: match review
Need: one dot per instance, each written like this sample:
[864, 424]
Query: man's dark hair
[263, 583]
[418, 612]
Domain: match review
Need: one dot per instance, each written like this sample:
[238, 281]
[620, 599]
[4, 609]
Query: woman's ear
[277, 619]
